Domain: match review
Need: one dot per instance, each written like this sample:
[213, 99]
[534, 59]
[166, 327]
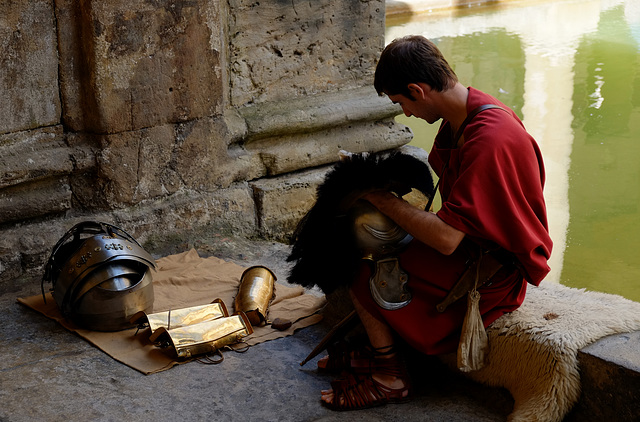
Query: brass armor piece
[257, 289]
[379, 240]
[177, 318]
[205, 337]
[388, 285]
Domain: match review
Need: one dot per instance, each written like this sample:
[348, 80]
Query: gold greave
[205, 337]
[196, 330]
[176, 318]
[257, 289]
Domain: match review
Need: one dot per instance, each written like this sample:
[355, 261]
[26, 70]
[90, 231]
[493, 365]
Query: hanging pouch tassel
[474, 342]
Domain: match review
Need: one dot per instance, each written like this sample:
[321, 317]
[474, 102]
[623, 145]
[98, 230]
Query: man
[491, 184]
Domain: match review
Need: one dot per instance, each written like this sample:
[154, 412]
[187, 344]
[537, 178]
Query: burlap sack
[474, 343]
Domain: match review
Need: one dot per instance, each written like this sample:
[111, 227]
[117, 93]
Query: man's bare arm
[422, 225]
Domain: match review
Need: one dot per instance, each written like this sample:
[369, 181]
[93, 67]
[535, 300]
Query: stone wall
[178, 119]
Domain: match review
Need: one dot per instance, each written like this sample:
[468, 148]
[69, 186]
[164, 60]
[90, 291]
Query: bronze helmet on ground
[101, 276]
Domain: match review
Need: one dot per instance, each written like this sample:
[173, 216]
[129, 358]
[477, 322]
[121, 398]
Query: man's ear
[417, 91]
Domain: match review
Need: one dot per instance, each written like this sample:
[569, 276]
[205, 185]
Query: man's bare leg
[381, 338]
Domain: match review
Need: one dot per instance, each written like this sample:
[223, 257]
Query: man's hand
[422, 225]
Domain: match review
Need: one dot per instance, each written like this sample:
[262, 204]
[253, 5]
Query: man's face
[408, 105]
[418, 107]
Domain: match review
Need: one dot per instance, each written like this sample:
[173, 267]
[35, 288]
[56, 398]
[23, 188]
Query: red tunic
[492, 191]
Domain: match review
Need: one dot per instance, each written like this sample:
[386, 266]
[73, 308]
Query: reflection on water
[575, 82]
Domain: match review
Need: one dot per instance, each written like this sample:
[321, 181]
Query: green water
[575, 80]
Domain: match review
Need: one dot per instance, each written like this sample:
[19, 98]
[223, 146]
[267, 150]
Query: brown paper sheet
[185, 280]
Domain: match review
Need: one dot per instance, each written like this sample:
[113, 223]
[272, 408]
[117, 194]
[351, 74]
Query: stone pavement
[50, 374]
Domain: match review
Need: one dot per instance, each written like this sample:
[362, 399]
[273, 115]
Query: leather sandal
[361, 391]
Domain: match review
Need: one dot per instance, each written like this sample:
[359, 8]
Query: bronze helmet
[376, 235]
[100, 276]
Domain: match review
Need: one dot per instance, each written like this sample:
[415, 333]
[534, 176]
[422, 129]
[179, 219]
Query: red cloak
[492, 190]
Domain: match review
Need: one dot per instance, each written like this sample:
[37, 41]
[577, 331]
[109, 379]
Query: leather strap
[470, 117]
[478, 272]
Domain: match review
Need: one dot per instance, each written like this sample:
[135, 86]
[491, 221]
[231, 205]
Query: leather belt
[478, 272]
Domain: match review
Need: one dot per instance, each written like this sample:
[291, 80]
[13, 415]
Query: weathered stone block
[309, 131]
[290, 153]
[205, 162]
[29, 200]
[286, 49]
[281, 202]
[610, 379]
[312, 113]
[229, 211]
[34, 161]
[150, 163]
[233, 210]
[131, 166]
[130, 64]
[10, 265]
[28, 66]
[33, 155]
[25, 248]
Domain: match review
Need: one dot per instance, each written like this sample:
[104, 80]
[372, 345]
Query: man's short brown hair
[412, 59]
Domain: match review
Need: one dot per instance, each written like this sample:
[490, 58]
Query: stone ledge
[316, 112]
[285, 154]
[610, 380]
[32, 155]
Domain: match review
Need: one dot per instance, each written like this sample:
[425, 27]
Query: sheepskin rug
[534, 350]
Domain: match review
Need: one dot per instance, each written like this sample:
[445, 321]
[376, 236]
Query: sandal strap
[363, 391]
[346, 356]
[391, 365]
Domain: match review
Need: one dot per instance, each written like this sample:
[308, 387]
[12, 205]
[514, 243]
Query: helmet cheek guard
[100, 276]
[376, 235]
